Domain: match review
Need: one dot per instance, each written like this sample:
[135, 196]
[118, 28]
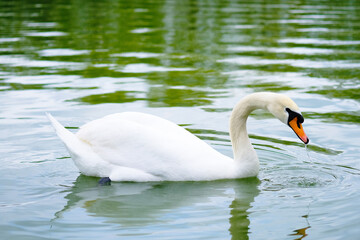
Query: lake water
[190, 62]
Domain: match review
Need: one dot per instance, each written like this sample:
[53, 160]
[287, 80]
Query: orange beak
[298, 129]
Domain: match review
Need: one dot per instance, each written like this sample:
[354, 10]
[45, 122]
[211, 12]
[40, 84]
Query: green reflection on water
[353, 93]
[178, 50]
[19, 86]
[102, 35]
[160, 97]
[319, 149]
[115, 97]
[270, 87]
[336, 117]
[156, 97]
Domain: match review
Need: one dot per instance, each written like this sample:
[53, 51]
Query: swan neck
[242, 147]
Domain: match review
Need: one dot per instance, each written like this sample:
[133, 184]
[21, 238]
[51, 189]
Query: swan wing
[153, 145]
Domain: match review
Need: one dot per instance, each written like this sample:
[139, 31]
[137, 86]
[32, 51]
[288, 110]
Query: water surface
[189, 62]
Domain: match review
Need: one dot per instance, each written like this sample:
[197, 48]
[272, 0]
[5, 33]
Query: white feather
[134, 146]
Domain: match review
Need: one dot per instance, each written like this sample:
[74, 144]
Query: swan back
[155, 146]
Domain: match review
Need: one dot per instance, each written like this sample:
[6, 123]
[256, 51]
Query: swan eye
[292, 115]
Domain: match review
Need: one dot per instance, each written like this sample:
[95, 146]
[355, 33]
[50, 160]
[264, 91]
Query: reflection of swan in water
[300, 233]
[144, 204]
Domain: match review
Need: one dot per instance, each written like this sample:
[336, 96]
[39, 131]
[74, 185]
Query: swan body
[140, 147]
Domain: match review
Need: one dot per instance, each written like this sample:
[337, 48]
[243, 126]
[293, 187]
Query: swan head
[286, 110]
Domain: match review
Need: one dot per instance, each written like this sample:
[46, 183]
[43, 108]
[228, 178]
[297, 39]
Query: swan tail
[75, 146]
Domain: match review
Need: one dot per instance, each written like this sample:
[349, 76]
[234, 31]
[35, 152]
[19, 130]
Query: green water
[189, 62]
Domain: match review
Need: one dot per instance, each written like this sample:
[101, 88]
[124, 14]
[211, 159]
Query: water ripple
[146, 68]
[61, 52]
[292, 62]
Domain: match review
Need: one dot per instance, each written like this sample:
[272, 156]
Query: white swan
[133, 146]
